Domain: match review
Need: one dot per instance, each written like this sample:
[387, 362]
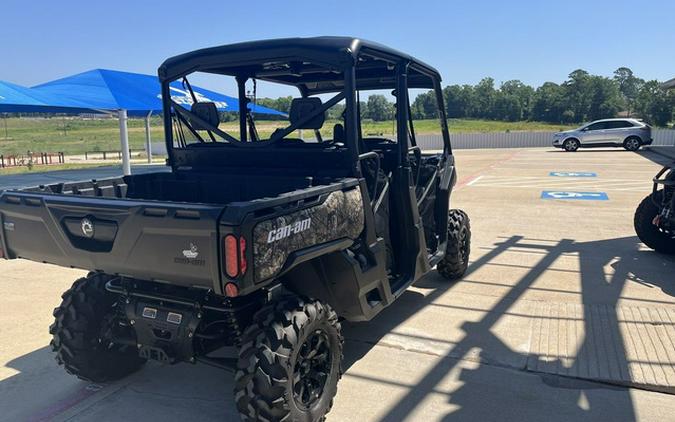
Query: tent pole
[124, 142]
[148, 139]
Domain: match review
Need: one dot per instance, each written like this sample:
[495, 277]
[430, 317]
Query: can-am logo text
[285, 231]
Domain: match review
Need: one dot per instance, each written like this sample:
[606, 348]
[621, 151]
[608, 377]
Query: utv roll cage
[321, 65]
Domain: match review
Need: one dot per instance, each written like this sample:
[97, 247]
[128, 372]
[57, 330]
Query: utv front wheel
[456, 260]
[289, 363]
[81, 333]
[651, 235]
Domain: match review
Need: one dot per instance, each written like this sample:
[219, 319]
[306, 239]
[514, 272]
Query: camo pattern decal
[339, 216]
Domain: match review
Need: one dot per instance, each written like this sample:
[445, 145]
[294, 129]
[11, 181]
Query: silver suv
[628, 133]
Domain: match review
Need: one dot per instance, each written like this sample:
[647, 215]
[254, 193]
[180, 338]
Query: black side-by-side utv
[252, 249]
[654, 219]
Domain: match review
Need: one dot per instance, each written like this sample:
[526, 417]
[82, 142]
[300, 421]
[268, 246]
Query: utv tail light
[234, 253]
[231, 290]
[231, 256]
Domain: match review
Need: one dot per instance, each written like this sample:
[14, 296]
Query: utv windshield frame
[322, 65]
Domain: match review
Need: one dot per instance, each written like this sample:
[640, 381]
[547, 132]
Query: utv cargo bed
[145, 226]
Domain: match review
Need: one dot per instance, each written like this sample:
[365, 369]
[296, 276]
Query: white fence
[662, 137]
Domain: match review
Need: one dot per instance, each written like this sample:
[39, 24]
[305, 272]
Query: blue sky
[534, 41]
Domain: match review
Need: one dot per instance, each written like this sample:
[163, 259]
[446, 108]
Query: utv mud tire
[632, 143]
[648, 233]
[79, 323]
[571, 145]
[289, 363]
[456, 260]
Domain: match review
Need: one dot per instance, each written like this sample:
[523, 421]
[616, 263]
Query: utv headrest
[338, 133]
[304, 107]
[206, 111]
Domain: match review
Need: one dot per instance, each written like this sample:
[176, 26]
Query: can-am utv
[250, 244]
[654, 219]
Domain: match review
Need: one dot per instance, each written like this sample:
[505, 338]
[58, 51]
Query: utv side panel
[339, 215]
[356, 293]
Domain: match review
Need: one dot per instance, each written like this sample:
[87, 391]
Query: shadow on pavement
[576, 402]
[657, 158]
[176, 391]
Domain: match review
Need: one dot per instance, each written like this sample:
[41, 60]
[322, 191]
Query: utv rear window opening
[199, 123]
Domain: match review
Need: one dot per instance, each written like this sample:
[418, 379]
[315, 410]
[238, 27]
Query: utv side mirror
[207, 112]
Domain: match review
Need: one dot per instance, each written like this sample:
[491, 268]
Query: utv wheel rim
[312, 369]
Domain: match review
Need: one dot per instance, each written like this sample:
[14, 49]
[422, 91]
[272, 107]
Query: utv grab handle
[376, 156]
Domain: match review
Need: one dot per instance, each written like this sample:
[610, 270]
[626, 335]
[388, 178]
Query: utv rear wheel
[81, 333]
[571, 145]
[651, 235]
[456, 260]
[289, 363]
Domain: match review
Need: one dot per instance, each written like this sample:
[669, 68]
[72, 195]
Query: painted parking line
[584, 196]
[474, 181]
[582, 184]
[572, 174]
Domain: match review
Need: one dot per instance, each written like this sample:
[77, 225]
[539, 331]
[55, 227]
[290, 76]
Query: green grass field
[80, 135]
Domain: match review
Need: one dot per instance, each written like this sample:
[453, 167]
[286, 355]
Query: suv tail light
[234, 255]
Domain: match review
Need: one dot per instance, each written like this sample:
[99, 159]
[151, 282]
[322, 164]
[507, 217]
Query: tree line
[581, 98]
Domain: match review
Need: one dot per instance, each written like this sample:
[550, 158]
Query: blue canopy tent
[136, 93]
[132, 94]
[19, 99]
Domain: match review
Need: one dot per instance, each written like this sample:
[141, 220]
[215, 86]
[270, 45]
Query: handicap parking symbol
[572, 174]
[588, 196]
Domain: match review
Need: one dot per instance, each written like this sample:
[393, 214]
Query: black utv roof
[314, 65]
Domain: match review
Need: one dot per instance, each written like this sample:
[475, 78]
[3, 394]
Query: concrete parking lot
[563, 315]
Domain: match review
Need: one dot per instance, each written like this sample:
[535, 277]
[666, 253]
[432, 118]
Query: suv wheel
[289, 362]
[456, 259]
[81, 333]
[571, 145]
[651, 235]
[632, 143]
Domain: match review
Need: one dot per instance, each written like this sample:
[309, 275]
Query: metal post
[124, 141]
[351, 123]
[148, 139]
[241, 85]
